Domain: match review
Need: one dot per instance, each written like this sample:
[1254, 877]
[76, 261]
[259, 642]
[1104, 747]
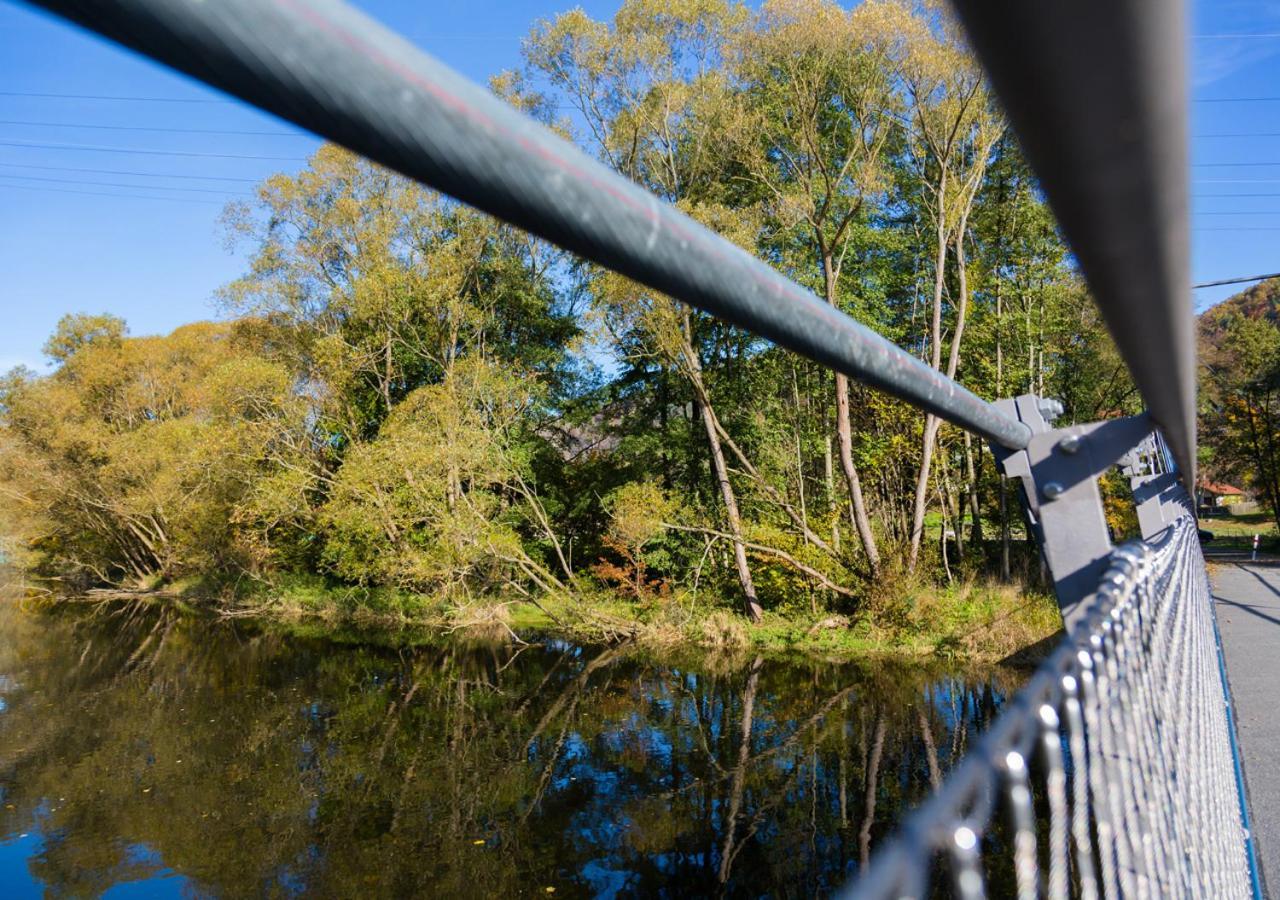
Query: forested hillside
[405, 399]
[1240, 391]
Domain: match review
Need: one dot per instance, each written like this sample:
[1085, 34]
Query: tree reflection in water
[137, 742]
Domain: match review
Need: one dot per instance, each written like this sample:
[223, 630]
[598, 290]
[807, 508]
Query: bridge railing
[1114, 767]
[1115, 763]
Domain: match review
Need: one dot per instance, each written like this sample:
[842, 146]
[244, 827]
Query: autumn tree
[1241, 388]
[370, 286]
[955, 129]
[132, 459]
[816, 114]
[650, 91]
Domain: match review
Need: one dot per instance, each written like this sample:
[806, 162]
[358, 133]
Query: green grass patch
[1235, 533]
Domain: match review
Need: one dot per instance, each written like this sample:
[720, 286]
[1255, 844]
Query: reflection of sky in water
[226, 760]
[153, 881]
[14, 853]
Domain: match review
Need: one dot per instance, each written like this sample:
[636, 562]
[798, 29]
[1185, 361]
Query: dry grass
[987, 618]
[723, 632]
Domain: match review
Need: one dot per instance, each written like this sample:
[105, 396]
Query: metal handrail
[1097, 93]
[334, 71]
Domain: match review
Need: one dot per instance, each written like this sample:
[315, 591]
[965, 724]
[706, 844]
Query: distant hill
[1262, 301]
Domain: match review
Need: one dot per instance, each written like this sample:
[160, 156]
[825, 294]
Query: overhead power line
[1234, 165]
[25, 187]
[1205, 284]
[1236, 100]
[42, 168]
[288, 134]
[1223, 196]
[49, 95]
[147, 152]
[120, 184]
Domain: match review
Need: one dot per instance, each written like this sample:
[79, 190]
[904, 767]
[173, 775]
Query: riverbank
[979, 620]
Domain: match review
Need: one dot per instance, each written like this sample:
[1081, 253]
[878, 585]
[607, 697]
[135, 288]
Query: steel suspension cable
[328, 68]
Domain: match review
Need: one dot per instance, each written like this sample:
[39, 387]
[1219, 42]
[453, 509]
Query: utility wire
[25, 187]
[1236, 165]
[13, 165]
[288, 134]
[119, 184]
[146, 152]
[1205, 284]
[56, 96]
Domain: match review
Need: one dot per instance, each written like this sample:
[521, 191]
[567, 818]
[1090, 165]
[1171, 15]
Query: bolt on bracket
[1059, 471]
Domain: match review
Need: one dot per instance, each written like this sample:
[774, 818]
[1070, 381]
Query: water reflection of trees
[136, 739]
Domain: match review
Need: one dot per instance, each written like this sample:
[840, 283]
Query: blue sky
[138, 235]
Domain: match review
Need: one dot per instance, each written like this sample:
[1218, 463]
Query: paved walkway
[1247, 599]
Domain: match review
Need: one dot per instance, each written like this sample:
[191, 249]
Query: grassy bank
[974, 619]
[1234, 534]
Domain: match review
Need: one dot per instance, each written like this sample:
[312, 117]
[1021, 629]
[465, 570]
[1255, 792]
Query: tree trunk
[922, 487]
[844, 439]
[1004, 491]
[829, 481]
[721, 473]
[1005, 537]
[932, 423]
[935, 351]
[795, 399]
[972, 470]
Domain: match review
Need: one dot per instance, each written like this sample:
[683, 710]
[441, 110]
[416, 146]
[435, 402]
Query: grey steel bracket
[1158, 491]
[1059, 471]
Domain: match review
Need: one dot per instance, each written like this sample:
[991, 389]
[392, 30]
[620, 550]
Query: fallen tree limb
[765, 550]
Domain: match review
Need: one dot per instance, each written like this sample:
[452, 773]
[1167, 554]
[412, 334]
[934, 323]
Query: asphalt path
[1246, 598]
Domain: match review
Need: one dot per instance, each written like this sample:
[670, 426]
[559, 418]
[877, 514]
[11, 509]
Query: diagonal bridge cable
[349, 79]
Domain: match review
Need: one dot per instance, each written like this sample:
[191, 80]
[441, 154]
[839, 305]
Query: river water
[149, 753]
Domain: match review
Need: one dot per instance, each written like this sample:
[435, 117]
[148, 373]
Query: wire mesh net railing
[1113, 773]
